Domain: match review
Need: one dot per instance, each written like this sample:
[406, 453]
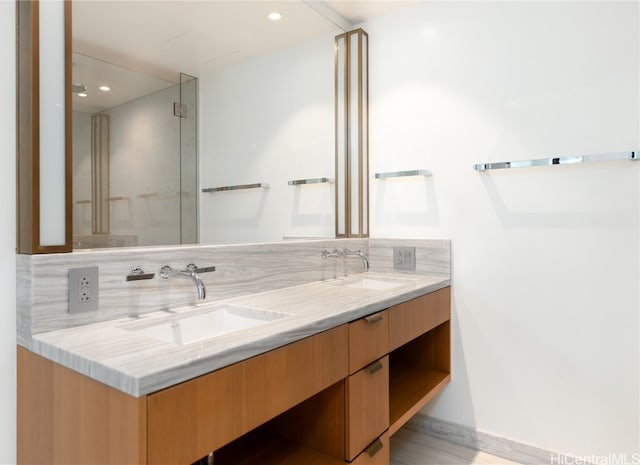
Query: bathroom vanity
[333, 396]
[291, 359]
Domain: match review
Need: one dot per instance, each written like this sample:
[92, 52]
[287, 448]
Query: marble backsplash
[240, 269]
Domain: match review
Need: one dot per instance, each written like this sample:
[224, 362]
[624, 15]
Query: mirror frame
[28, 130]
[354, 168]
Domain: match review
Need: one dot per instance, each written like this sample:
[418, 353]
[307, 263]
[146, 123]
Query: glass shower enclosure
[135, 157]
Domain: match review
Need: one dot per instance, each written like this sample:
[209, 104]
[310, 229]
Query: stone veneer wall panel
[240, 269]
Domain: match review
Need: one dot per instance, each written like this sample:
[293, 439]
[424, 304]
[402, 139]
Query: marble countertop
[117, 354]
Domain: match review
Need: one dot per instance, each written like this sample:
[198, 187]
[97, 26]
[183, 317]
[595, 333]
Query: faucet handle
[138, 274]
[165, 271]
[327, 254]
[206, 269]
[192, 268]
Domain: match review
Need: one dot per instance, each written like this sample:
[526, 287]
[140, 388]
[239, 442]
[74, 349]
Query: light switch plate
[404, 258]
[83, 289]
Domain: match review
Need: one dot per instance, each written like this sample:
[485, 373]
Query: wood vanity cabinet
[332, 398]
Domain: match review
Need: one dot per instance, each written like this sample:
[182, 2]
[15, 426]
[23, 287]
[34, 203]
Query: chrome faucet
[346, 252]
[191, 272]
[358, 253]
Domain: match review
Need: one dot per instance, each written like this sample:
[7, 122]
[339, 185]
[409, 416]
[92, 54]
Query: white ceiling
[125, 85]
[162, 38]
[360, 11]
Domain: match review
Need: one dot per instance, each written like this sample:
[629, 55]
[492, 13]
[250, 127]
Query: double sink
[209, 321]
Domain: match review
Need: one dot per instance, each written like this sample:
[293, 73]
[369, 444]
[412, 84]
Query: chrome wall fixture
[300, 182]
[352, 134]
[257, 185]
[138, 274]
[566, 160]
[401, 174]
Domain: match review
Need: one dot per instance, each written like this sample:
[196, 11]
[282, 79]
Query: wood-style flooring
[411, 448]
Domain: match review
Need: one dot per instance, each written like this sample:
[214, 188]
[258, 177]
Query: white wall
[546, 260]
[7, 236]
[269, 120]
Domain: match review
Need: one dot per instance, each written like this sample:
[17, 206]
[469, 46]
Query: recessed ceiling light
[82, 94]
[275, 16]
[104, 88]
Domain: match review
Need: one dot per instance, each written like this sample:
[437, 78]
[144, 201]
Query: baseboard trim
[485, 442]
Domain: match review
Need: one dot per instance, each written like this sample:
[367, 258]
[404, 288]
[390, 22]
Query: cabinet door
[187, 421]
[68, 418]
[367, 406]
[368, 340]
[415, 317]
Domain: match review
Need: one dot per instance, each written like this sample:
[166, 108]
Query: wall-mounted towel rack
[160, 195]
[257, 185]
[400, 174]
[568, 160]
[300, 182]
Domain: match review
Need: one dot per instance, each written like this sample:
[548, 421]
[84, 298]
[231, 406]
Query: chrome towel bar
[567, 160]
[400, 174]
[257, 185]
[299, 182]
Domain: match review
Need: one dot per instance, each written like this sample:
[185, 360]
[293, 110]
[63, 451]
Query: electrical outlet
[404, 258]
[83, 289]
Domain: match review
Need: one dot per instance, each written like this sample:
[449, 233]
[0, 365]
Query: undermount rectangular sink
[187, 329]
[372, 284]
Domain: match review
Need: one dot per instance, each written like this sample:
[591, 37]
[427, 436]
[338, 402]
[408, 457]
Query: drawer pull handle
[375, 366]
[371, 319]
[375, 447]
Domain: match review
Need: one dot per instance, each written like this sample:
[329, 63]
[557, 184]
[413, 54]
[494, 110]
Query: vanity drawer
[418, 316]
[376, 453]
[187, 421]
[368, 340]
[367, 406]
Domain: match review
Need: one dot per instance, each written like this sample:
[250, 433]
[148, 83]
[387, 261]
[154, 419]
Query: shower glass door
[134, 157]
[188, 159]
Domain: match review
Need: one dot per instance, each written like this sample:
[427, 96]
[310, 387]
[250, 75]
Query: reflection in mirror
[277, 126]
[133, 156]
[261, 110]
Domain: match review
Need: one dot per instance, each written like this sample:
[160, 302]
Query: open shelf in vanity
[418, 372]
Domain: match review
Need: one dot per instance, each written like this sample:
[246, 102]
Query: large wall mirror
[170, 98]
[191, 121]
